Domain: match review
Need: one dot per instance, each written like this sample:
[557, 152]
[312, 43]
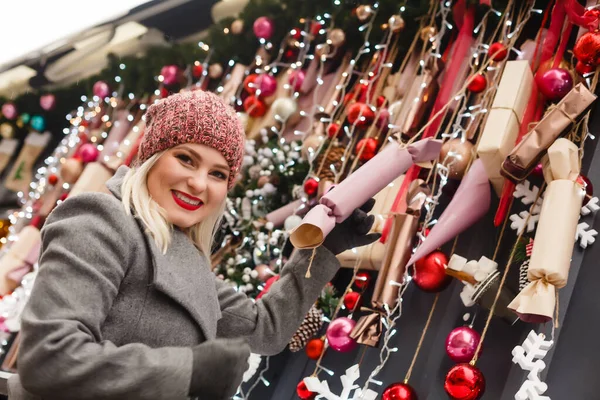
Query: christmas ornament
[101, 89]
[396, 23]
[48, 102]
[587, 48]
[361, 115]
[337, 37]
[254, 107]
[268, 285]
[88, 153]
[538, 170]
[399, 391]
[7, 131]
[263, 28]
[583, 69]
[52, 179]
[250, 83]
[237, 26]
[529, 357]
[285, 107]
[311, 185]
[428, 32]
[170, 74]
[315, 27]
[322, 49]
[215, 71]
[264, 272]
[164, 93]
[497, 51]
[362, 280]
[363, 12]
[554, 83]
[366, 148]
[351, 300]
[9, 110]
[303, 393]
[477, 83]
[311, 145]
[314, 348]
[348, 387]
[38, 123]
[456, 154]
[296, 79]
[338, 334]
[292, 222]
[334, 131]
[197, 70]
[462, 343]
[267, 85]
[588, 187]
[312, 323]
[464, 382]
[430, 272]
[71, 170]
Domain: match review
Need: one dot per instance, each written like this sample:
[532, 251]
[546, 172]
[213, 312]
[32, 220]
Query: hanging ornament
[497, 51]
[9, 110]
[587, 48]
[538, 170]
[237, 26]
[164, 93]
[459, 155]
[48, 102]
[430, 272]
[361, 115]
[322, 49]
[583, 69]
[314, 348]
[315, 27]
[427, 33]
[367, 148]
[311, 325]
[250, 83]
[267, 85]
[263, 28]
[464, 382]
[337, 37]
[363, 12]
[53, 179]
[264, 272]
[399, 391]
[310, 146]
[292, 222]
[38, 123]
[462, 343]
[285, 107]
[215, 71]
[88, 153]
[554, 83]
[586, 184]
[396, 23]
[362, 280]
[334, 131]
[303, 392]
[338, 334]
[170, 74]
[71, 169]
[477, 84]
[255, 107]
[296, 79]
[197, 70]
[7, 131]
[351, 300]
[101, 89]
[311, 186]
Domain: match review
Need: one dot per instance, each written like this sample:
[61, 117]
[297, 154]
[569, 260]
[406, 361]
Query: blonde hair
[135, 195]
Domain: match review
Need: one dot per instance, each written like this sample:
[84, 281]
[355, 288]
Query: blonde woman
[125, 305]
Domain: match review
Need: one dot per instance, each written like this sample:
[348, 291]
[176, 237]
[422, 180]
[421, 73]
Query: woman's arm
[87, 246]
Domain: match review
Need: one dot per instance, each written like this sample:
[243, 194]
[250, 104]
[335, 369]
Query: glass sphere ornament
[48, 102]
[586, 184]
[351, 300]
[215, 71]
[263, 28]
[338, 334]
[399, 391]
[363, 12]
[430, 272]
[461, 344]
[538, 170]
[250, 83]
[362, 280]
[311, 186]
[396, 23]
[337, 37]
[285, 107]
[296, 79]
[38, 123]
[52, 179]
[9, 110]
[303, 392]
[459, 154]
[587, 48]
[366, 148]
[7, 131]
[334, 130]
[428, 32]
[477, 83]
[88, 153]
[101, 89]
[197, 69]
[464, 382]
[254, 107]
[170, 74]
[554, 83]
[314, 348]
[267, 85]
[497, 51]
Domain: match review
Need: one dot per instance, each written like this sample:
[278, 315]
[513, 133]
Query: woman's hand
[354, 231]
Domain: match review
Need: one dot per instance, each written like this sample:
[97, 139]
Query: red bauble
[497, 51]
[303, 392]
[588, 187]
[583, 69]
[477, 84]
[380, 101]
[362, 280]
[554, 83]
[164, 92]
[430, 272]
[315, 27]
[249, 83]
[296, 33]
[64, 196]
[349, 98]
[587, 48]
[333, 130]
[370, 148]
[464, 382]
[197, 70]
[268, 285]
[311, 186]
[53, 179]
[255, 107]
[314, 348]
[363, 111]
[538, 170]
[351, 300]
[399, 391]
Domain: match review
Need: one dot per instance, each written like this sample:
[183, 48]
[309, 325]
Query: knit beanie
[194, 117]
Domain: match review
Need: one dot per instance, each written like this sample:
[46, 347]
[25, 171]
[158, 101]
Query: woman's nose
[197, 183]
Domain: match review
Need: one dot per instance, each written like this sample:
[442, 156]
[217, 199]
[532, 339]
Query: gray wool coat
[111, 317]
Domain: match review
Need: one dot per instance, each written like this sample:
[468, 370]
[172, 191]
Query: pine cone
[333, 157]
[310, 327]
[523, 280]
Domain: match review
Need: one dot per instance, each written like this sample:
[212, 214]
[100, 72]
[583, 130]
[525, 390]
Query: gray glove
[354, 231]
[219, 367]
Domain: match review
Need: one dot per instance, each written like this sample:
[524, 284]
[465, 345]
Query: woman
[125, 305]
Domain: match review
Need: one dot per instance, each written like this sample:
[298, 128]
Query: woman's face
[189, 182]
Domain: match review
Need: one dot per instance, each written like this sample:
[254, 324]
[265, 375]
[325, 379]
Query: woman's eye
[219, 175]
[184, 158]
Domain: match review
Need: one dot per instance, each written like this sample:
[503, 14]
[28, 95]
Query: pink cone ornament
[263, 28]
[101, 89]
[170, 74]
[338, 334]
[267, 85]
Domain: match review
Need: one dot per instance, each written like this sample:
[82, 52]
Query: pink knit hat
[194, 117]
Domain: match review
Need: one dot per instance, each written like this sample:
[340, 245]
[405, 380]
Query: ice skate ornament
[529, 357]
[350, 391]
[477, 276]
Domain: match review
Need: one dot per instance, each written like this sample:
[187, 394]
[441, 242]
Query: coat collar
[182, 273]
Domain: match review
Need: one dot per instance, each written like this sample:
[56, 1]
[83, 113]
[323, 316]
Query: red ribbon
[578, 15]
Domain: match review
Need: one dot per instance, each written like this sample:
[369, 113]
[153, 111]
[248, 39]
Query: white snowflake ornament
[350, 391]
[529, 357]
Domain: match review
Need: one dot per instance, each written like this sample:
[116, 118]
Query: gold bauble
[396, 23]
[363, 12]
[312, 142]
[428, 32]
[71, 170]
[7, 131]
[337, 37]
[237, 26]
[215, 71]
[458, 161]
[322, 49]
